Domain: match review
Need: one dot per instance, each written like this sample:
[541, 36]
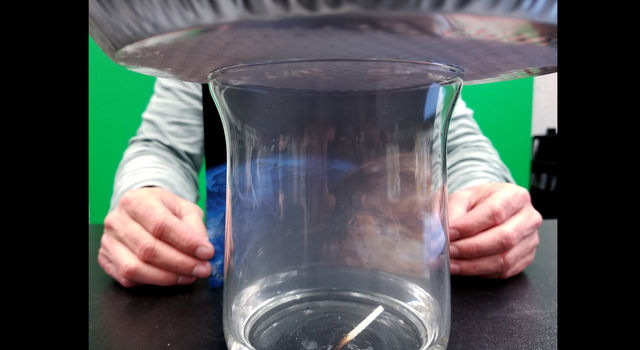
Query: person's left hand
[493, 230]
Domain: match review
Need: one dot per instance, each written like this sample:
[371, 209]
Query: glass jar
[336, 219]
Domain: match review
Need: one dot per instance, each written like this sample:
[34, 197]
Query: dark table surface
[517, 313]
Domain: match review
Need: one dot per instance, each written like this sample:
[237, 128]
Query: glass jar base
[318, 318]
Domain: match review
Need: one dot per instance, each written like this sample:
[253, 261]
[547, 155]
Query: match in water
[359, 328]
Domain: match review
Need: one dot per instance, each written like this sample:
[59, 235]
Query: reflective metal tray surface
[491, 40]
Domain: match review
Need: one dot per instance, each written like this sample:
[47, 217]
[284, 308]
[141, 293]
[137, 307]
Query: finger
[110, 268]
[193, 216]
[155, 252]
[519, 267]
[127, 267]
[156, 218]
[499, 238]
[497, 263]
[457, 206]
[151, 250]
[489, 208]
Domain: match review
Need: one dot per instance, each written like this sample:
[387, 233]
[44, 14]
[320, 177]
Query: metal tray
[491, 40]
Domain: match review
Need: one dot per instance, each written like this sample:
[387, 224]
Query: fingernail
[185, 280]
[201, 271]
[204, 252]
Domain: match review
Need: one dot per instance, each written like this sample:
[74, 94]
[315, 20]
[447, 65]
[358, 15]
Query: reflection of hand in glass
[155, 237]
[493, 230]
[389, 223]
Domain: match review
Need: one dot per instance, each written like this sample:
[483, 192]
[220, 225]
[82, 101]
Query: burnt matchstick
[359, 328]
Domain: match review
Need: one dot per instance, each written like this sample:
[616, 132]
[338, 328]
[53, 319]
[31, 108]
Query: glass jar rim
[451, 72]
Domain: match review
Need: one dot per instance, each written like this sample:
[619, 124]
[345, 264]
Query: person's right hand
[155, 237]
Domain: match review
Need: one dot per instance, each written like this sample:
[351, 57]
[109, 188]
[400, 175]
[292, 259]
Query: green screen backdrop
[503, 112]
[117, 98]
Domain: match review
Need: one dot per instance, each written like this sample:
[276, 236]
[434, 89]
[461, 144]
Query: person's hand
[493, 230]
[155, 237]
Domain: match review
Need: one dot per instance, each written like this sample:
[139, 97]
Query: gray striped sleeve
[168, 148]
[471, 158]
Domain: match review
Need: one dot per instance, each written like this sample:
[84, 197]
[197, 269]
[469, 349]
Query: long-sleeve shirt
[168, 148]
